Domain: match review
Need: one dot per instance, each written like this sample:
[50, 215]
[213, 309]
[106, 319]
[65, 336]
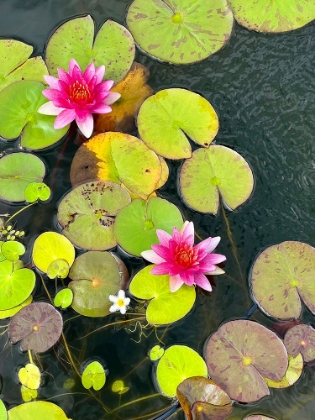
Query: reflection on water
[262, 87]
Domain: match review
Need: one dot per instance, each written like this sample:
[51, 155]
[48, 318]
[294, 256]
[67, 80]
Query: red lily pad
[38, 326]
[301, 339]
[202, 398]
[239, 359]
[281, 276]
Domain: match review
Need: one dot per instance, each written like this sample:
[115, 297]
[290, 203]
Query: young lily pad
[50, 247]
[37, 191]
[87, 213]
[12, 250]
[19, 103]
[58, 269]
[64, 298]
[213, 172]
[37, 410]
[118, 158]
[28, 394]
[177, 364]
[301, 339]
[178, 31]
[113, 47]
[203, 396]
[156, 353]
[38, 325]
[176, 112]
[134, 91]
[93, 376]
[275, 16]
[281, 276]
[241, 354]
[293, 373]
[17, 171]
[14, 63]
[8, 313]
[95, 275]
[15, 285]
[29, 376]
[119, 387]
[3, 411]
[165, 306]
[135, 226]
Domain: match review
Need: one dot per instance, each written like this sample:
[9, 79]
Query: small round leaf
[64, 298]
[12, 250]
[301, 339]
[93, 376]
[37, 191]
[29, 376]
[156, 353]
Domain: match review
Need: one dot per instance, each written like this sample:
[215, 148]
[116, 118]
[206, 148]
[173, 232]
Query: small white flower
[120, 302]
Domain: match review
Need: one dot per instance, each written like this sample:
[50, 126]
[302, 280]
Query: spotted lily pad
[38, 326]
[15, 285]
[12, 250]
[87, 213]
[275, 16]
[201, 398]
[37, 410]
[64, 298]
[177, 364]
[213, 172]
[118, 158]
[293, 373]
[8, 313]
[19, 103]
[180, 31]
[238, 359]
[166, 118]
[50, 247]
[165, 306]
[113, 47]
[15, 65]
[136, 224]
[29, 376]
[93, 376]
[281, 276]
[301, 339]
[37, 191]
[95, 275]
[3, 411]
[17, 171]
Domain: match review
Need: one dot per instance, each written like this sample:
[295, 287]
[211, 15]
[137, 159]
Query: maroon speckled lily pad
[38, 326]
[201, 398]
[301, 339]
[281, 276]
[241, 354]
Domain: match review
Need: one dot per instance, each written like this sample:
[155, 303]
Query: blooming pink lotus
[177, 256]
[76, 96]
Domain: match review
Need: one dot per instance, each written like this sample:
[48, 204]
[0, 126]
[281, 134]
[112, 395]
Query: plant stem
[20, 211]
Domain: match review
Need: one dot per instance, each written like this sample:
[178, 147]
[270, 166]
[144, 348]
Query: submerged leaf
[119, 387]
[28, 394]
[93, 376]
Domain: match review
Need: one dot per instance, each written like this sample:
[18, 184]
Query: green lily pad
[177, 364]
[119, 387]
[29, 376]
[301, 339]
[136, 224]
[113, 47]
[180, 31]
[95, 275]
[119, 158]
[238, 359]
[8, 313]
[3, 411]
[213, 172]
[87, 213]
[49, 247]
[19, 103]
[14, 63]
[273, 16]
[38, 326]
[37, 410]
[28, 394]
[58, 269]
[176, 112]
[37, 191]
[15, 285]
[64, 298]
[17, 171]
[165, 306]
[12, 250]
[93, 376]
[156, 353]
[281, 276]
[201, 398]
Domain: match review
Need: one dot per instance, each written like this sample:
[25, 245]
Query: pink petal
[64, 118]
[176, 235]
[209, 244]
[175, 283]
[73, 63]
[163, 237]
[188, 230]
[53, 94]
[152, 257]
[64, 76]
[216, 272]
[162, 251]
[112, 97]
[86, 126]
[49, 109]
[203, 282]
[89, 73]
[99, 73]
[53, 82]
[187, 278]
[161, 269]
[101, 109]
[107, 85]
[213, 259]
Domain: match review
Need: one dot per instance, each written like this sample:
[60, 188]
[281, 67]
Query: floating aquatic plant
[93, 376]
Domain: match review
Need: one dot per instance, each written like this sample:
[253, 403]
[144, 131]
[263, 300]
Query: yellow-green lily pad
[293, 373]
[29, 376]
[93, 376]
[8, 313]
[12, 250]
[37, 191]
[64, 298]
[37, 410]
[58, 269]
[3, 411]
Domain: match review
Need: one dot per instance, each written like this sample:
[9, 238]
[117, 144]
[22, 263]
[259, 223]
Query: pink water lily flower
[76, 96]
[177, 256]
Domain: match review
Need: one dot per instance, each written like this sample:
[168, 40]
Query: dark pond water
[262, 87]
